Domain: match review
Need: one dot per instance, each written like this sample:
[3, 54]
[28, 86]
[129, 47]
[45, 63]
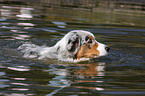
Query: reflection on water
[25, 13]
[119, 73]
[65, 77]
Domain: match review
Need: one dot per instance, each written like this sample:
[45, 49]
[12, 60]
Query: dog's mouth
[94, 56]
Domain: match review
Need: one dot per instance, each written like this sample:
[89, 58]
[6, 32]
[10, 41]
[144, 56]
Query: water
[120, 73]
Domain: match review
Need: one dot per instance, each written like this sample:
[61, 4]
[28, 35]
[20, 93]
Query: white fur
[59, 51]
[101, 49]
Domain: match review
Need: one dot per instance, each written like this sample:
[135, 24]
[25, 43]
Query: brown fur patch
[88, 50]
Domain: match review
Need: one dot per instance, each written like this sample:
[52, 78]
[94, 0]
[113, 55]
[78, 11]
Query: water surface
[120, 73]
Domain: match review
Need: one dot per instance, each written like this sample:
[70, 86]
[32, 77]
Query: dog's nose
[107, 48]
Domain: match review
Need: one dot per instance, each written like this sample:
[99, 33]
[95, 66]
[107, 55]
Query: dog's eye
[90, 41]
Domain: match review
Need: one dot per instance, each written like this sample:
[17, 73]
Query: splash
[71, 60]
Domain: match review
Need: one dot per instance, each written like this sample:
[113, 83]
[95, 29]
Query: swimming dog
[76, 44]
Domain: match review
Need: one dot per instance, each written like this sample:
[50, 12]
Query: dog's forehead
[82, 33]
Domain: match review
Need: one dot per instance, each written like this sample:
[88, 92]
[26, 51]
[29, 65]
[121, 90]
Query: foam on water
[74, 60]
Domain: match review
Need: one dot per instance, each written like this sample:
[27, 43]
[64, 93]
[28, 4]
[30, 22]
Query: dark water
[121, 73]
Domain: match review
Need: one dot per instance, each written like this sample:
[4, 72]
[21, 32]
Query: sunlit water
[120, 73]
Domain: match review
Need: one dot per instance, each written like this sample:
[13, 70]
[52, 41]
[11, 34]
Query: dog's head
[82, 44]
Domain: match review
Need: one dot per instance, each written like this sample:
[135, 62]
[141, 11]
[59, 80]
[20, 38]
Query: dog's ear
[73, 44]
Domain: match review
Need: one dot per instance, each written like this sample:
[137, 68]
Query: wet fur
[76, 44]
